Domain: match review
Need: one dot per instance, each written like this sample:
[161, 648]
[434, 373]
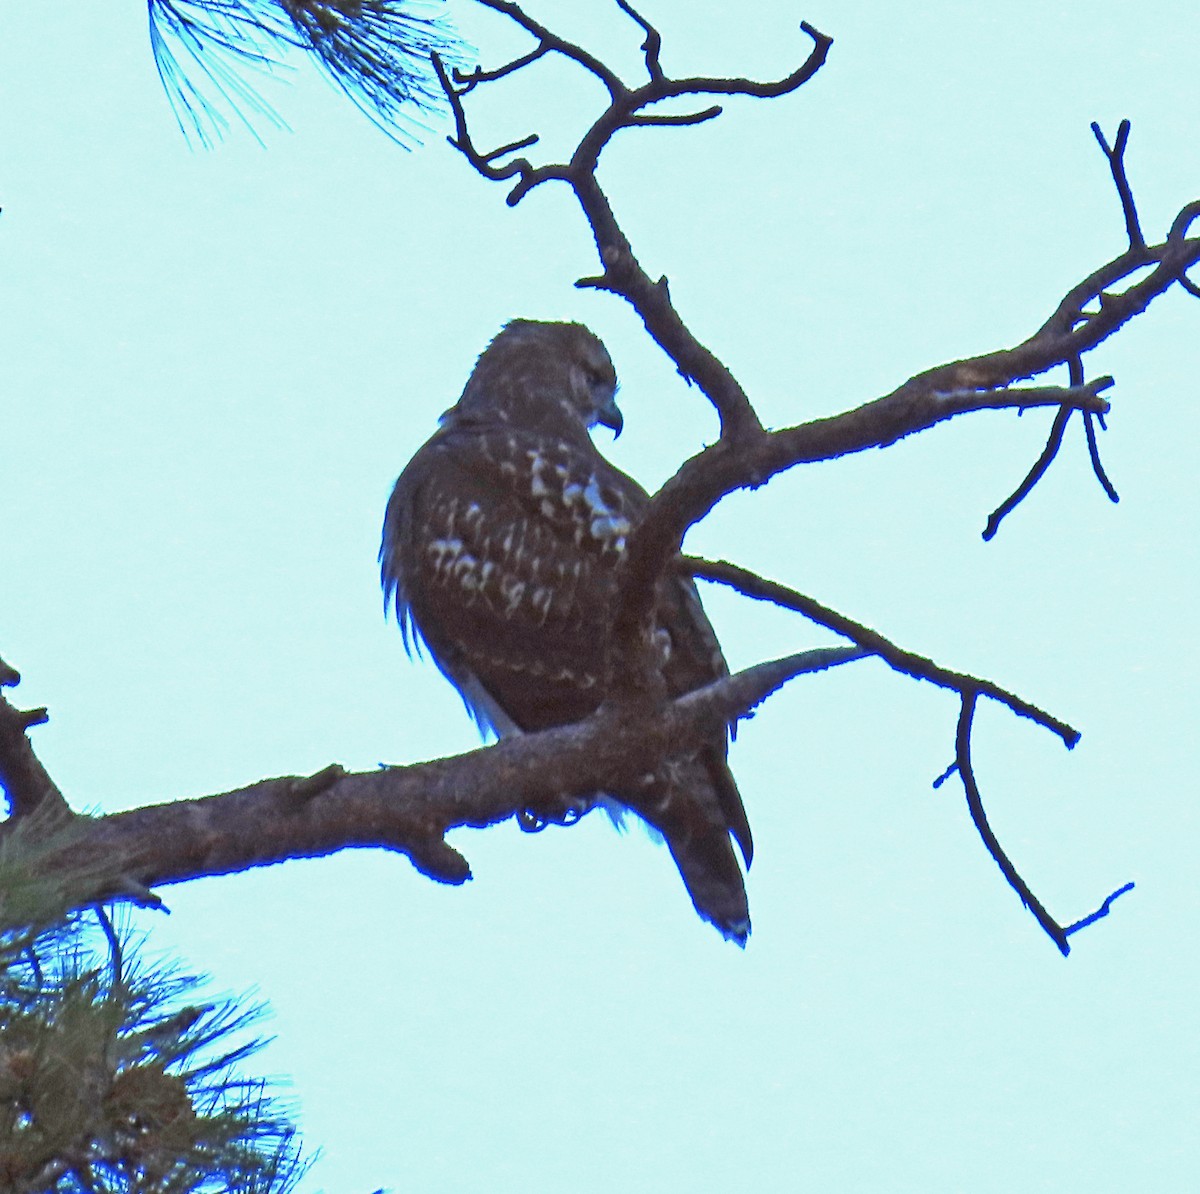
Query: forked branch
[968, 688]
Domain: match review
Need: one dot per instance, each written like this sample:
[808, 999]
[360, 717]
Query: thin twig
[485, 163]
[116, 954]
[1035, 474]
[701, 482]
[1094, 453]
[979, 817]
[469, 80]
[1100, 912]
[621, 272]
[673, 121]
[1116, 163]
[652, 46]
[559, 45]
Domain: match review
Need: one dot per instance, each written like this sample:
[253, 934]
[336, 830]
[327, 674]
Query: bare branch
[679, 121]
[471, 79]
[707, 477]
[975, 805]
[1100, 912]
[969, 689]
[907, 662]
[1043, 462]
[1089, 427]
[652, 46]
[1035, 474]
[963, 765]
[484, 163]
[1178, 235]
[698, 85]
[408, 809]
[1116, 162]
[22, 776]
[621, 272]
[551, 42]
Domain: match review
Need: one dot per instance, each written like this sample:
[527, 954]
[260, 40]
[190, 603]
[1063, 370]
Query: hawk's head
[550, 377]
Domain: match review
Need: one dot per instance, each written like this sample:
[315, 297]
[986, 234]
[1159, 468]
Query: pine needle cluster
[115, 1078]
[377, 51]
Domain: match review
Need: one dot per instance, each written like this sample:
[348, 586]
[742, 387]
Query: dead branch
[24, 780]
[966, 772]
[408, 810]
[1116, 162]
[968, 688]
[745, 454]
[908, 663]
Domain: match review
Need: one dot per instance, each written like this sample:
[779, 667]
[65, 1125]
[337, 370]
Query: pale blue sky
[212, 367]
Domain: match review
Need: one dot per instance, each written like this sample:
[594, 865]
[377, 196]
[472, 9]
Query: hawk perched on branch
[500, 551]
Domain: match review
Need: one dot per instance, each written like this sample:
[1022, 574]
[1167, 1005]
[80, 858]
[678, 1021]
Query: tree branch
[969, 689]
[621, 272]
[1116, 161]
[1035, 474]
[405, 809]
[966, 771]
[979, 818]
[750, 584]
[24, 780]
[702, 481]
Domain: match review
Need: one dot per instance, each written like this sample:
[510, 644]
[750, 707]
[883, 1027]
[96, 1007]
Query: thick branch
[707, 477]
[976, 383]
[409, 809]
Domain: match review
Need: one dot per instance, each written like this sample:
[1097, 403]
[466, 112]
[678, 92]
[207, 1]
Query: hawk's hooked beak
[610, 416]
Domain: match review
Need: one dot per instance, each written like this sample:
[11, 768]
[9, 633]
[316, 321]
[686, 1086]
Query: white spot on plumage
[595, 502]
[512, 590]
[662, 644]
[611, 528]
[537, 487]
[444, 552]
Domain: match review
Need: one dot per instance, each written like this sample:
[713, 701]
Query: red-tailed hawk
[500, 550]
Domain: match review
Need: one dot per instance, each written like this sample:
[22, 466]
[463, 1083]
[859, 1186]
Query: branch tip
[1100, 912]
[28, 718]
[1116, 162]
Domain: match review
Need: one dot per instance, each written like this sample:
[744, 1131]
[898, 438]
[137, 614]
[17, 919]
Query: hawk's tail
[686, 805]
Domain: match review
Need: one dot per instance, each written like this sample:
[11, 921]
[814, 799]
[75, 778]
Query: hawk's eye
[598, 379]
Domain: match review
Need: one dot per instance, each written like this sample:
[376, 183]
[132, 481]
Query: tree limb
[908, 663]
[405, 809]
